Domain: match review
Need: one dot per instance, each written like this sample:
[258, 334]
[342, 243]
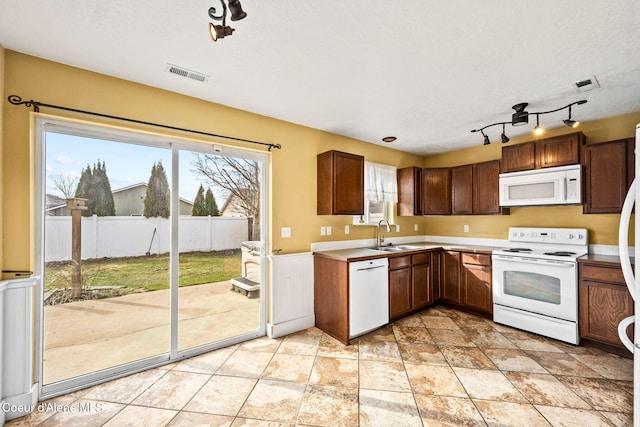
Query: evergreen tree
[199, 208]
[94, 186]
[157, 201]
[105, 206]
[211, 207]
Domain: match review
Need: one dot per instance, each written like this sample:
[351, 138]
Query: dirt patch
[63, 296]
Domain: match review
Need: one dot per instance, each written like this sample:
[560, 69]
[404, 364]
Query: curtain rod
[16, 100]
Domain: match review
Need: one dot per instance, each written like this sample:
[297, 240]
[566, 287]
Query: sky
[126, 164]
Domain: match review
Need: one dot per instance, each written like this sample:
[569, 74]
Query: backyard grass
[139, 274]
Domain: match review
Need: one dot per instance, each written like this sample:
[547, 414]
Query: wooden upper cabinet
[486, 198]
[559, 151]
[543, 153]
[608, 173]
[436, 187]
[519, 157]
[462, 190]
[409, 191]
[340, 184]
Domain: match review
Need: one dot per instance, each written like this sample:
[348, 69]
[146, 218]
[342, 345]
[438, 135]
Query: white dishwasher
[368, 295]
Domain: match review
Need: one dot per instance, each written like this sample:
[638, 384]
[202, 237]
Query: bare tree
[239, 180]
[66, 183]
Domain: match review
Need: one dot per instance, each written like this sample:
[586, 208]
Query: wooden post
[76, 206]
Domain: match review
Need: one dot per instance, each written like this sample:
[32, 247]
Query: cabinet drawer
[478, 259]
[602, 274]
[422, 258]
[399, 262]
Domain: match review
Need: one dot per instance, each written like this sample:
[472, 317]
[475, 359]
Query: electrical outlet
[347, 230]
[466, 228]
[323, 231]
[328, 230]
[415, 227]
[286, 232]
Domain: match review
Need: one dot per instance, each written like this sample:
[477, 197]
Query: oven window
[533, 286]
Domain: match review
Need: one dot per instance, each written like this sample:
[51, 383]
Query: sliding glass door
[220, 248]
[151, 250]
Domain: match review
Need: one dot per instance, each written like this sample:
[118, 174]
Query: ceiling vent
[186, 73]
[586, 84]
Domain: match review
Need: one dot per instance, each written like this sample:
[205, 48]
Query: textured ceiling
[425, 71]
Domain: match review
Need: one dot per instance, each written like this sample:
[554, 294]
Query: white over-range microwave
[551, 186]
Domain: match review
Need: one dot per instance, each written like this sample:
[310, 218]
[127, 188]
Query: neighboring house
[56, 206]
[233, 207]
[129, 201]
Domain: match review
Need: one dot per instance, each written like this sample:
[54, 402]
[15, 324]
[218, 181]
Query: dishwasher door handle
[371, 268]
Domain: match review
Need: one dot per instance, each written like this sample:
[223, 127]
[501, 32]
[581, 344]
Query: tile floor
[439, 367]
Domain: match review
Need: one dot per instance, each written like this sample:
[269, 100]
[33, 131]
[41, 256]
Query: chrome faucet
[380, 240]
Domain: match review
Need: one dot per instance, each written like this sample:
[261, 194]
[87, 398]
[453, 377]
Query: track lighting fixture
[521, 117]
[569, 122]
[221, 31]
[538, 130]
[486, 139]
[503, 136]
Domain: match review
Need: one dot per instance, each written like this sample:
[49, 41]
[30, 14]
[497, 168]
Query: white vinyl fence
[124, 236]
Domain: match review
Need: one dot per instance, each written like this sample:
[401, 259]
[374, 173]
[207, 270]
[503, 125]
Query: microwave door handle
[563, 196]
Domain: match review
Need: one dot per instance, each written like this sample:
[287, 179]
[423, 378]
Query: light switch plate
[286, 232]
[323, 231]
[415, 227]
[328, 230]
[397, 228]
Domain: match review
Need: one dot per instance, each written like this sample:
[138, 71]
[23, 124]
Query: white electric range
[535, 281]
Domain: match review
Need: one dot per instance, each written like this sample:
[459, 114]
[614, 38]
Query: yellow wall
[293, 169]
[603, 229]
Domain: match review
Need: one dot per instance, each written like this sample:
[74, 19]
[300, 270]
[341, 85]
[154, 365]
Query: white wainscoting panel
[291, 294]
[17, 391]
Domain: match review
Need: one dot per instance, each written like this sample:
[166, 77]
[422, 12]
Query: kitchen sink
[388, 248]
[398, 248]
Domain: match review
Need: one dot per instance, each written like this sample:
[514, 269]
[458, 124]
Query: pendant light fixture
[221, 31]
[521, 117]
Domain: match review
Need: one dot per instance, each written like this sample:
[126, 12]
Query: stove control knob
[580, 237]
[570, 236]
[515, 234]
[521, 234]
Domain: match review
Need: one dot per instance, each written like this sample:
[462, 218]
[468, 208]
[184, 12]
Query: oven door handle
[506, 258]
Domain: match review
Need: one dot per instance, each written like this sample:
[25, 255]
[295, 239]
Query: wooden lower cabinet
[331, 298]
[409, 284]
[466, 280]
[450, 277]
[476, 277]
[436, 276]
[421, 294]
[604, 301]
[399, 286]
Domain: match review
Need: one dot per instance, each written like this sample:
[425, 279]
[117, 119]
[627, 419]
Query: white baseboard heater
[291, 294]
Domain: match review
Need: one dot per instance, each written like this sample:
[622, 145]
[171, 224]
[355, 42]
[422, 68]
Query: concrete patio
[86, 336]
